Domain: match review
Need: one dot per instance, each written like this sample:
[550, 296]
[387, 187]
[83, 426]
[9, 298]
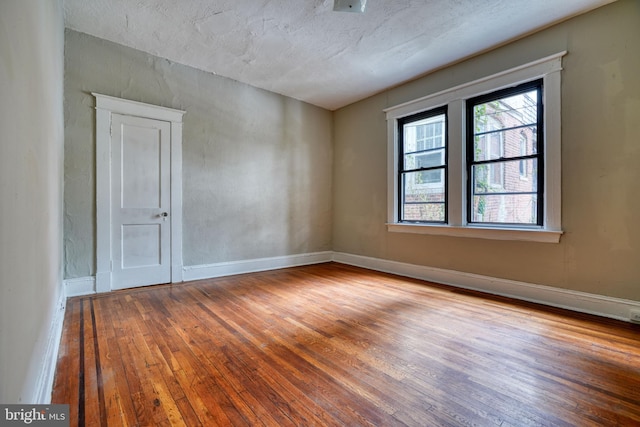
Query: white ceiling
[302, 49]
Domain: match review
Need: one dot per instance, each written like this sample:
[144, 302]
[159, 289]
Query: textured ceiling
[302, 49]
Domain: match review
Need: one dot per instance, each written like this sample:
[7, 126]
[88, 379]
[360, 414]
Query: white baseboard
[46, 376]
[87, 285]
[600, 305]
[615, 308]
[208, 271]
[80, 286]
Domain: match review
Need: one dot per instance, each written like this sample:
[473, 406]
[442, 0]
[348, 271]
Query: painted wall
[31, 161]
[600, 249]
[257, 166]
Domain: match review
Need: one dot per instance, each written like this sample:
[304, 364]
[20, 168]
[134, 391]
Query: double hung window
[481, 159]
[422, 168]
[497, 160]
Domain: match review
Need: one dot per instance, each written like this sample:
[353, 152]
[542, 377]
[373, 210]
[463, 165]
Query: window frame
[501, 161]
[549, 70]
[423, 115]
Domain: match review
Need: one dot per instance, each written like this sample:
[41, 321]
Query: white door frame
[105, 105]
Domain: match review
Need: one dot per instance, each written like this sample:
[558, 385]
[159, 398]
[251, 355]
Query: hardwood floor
[329, 345]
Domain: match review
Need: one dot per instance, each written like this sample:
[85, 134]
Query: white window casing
[549, 69]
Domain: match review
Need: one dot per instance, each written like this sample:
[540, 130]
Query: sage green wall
[257, 166]
[600, 250]
[31, 150]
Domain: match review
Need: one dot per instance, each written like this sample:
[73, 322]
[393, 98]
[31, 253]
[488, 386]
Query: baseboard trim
[87, 285]
[209, 271]
[46, 376]
[583, 302]
[80, 286]
[600, 305]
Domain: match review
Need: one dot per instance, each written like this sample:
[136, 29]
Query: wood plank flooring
[333, 345]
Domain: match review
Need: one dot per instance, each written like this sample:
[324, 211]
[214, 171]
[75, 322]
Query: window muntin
[497, 123]
[422, 175]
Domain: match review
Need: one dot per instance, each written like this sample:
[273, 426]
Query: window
[496, 125]
[481, 159]
[422, 167]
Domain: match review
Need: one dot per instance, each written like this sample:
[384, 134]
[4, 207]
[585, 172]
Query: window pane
[515, 176]
[512, 111]
[506, 208]
[423, 212]
[425, 159]
[431, 177]
[424, 134]
[506, 143]
[429, 135]
[423, 196]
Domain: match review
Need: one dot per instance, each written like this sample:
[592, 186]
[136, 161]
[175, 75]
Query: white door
[140, 201]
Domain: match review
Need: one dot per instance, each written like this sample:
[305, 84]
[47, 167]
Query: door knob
[164, 214]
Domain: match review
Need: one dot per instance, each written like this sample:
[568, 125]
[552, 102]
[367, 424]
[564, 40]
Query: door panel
[140, 201]
[141, 245]
[141, 167]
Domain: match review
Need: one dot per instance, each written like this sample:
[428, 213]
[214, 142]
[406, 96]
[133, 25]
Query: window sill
[492, 233]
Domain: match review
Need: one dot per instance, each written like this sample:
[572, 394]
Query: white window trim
[549, 69]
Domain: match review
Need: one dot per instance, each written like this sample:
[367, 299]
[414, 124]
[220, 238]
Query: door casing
[105, 106]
